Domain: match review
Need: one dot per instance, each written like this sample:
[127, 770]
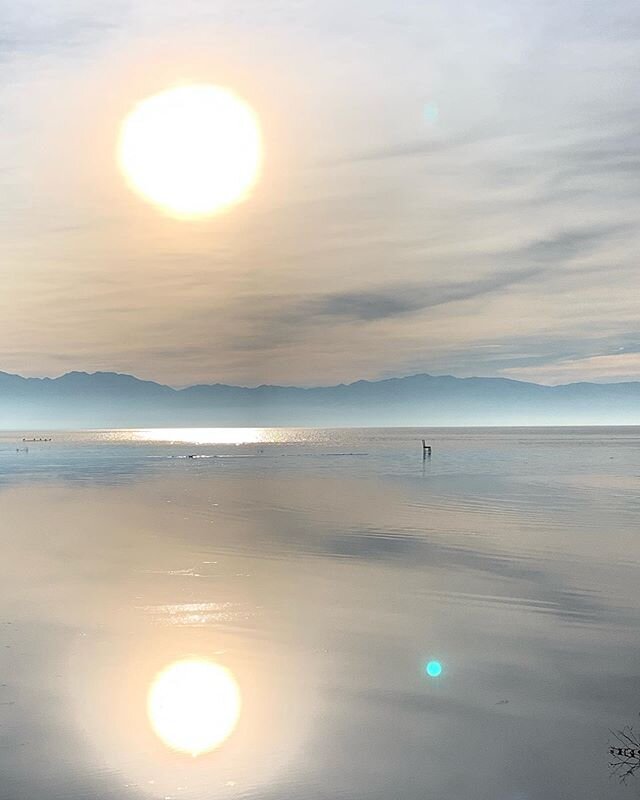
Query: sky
[447, 187]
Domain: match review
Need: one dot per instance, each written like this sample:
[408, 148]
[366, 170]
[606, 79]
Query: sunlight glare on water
[208, 435]
[194, 706]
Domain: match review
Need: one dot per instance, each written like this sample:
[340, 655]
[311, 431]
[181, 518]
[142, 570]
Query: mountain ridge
[112, 399]
[128, 375]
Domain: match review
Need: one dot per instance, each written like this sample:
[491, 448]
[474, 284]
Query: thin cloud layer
[445, 189]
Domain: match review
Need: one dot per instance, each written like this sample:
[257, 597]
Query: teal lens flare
[434, 669]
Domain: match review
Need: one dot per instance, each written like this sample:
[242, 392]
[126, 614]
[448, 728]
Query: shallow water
[324, 569]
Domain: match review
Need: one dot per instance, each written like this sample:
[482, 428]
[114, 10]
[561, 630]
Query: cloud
[403, 299]
[42, 27]
[567, 244]
[399, 299]
[405, 150]
[610, 367]
[498, 236]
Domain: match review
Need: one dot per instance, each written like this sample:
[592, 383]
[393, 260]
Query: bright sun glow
[193, 150]
[194, 705]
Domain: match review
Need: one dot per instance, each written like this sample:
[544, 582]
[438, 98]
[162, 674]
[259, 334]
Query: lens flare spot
[434, 669]
[194, 705]
[431, 113]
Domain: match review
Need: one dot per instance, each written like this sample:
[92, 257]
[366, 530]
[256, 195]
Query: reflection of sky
[324, 591]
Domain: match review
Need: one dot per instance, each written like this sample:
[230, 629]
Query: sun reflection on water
[194, 706]
[213, 436]
[208, 435]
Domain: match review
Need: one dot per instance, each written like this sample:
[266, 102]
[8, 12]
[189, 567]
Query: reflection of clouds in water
[359, 579]
[393, 525]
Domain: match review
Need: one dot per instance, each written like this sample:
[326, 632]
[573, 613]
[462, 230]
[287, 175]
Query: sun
[194, 705]
[192, 150]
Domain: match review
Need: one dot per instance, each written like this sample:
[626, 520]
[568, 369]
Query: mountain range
[109, 399]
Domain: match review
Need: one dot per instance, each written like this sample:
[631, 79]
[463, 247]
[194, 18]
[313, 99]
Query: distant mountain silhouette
[108, 399]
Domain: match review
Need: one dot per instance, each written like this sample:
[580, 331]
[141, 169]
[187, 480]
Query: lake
[465, 627]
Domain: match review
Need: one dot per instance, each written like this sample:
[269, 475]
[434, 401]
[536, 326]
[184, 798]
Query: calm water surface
[324, 569]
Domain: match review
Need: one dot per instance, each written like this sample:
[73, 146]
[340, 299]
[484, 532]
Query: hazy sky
[448, 187]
